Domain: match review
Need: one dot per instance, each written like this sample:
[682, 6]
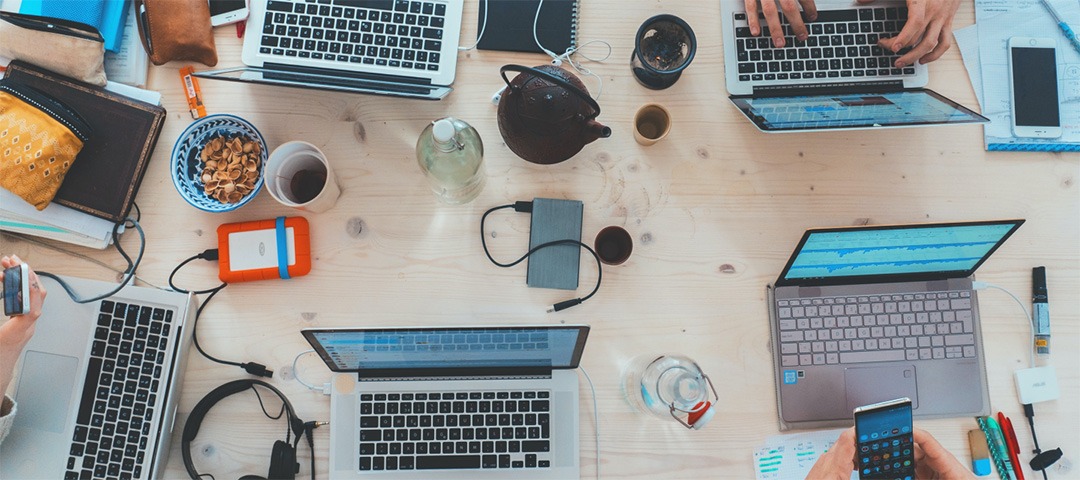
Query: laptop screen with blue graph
[448, 348]
[941, 250]
[854, 110]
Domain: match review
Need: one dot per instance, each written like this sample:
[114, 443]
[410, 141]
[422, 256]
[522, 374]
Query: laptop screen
[354, 349]
[862, 110]
[894, 253]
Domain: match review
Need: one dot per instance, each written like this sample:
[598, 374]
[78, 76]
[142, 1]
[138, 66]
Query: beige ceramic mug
[652, 122]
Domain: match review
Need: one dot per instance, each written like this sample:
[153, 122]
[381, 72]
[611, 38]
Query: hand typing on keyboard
[926, 35]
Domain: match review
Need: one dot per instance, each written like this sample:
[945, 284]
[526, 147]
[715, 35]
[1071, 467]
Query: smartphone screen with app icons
[884, 444]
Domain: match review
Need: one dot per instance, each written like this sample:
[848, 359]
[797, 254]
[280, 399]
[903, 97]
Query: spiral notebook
[510, 25]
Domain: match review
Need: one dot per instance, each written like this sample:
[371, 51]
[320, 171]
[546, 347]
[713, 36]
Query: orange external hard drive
[264, 250]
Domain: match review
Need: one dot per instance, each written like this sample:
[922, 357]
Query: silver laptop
[456, 402]
[838, 78]
[861, 315]
[98, 384]
[404, 48]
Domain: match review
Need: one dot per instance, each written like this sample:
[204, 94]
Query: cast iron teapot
[546, 114]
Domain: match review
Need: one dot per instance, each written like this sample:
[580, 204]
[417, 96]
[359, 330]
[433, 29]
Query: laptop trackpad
[866, 385]
[45, 388]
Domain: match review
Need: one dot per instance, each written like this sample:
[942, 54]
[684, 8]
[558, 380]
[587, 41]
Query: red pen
[1011, 443]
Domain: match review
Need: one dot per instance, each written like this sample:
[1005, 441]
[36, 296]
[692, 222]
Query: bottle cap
[443, 130]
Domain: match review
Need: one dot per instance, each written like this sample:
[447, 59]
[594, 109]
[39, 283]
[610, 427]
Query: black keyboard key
[441, 462]
[276, 6]
[93, 374]
[535, 446]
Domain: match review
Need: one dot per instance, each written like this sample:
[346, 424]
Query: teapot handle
[553, 79]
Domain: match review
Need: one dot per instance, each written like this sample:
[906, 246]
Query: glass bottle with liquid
[669, 387]
[451, 155]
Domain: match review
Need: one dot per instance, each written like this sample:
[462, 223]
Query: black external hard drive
[555, 266]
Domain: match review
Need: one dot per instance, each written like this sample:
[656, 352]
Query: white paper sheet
[792, 456]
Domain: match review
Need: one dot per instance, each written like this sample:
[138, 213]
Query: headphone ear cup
[283, 464]
[252, 477]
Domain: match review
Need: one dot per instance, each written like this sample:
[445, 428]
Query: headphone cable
[129, 272]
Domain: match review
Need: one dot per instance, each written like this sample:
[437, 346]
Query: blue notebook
[108, 16]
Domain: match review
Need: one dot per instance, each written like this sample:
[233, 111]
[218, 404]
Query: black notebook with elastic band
[510, 25]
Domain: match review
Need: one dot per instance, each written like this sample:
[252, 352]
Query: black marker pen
[1041, 310]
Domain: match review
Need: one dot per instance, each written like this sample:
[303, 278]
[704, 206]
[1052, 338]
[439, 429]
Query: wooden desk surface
[715, 209]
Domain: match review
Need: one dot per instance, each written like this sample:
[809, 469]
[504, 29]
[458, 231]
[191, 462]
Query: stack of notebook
[100, 188]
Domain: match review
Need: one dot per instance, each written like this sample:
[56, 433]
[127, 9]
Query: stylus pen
[1069, 34]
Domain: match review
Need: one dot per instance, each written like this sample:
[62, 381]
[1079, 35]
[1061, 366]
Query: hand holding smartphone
[1033, 81]
[17, 290]
[884, 442]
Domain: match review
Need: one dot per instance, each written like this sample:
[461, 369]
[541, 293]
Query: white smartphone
[1033, 81]
[224, 12]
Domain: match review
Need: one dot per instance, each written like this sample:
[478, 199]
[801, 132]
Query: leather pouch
[176, 30]
[39, 140]
[69, 48]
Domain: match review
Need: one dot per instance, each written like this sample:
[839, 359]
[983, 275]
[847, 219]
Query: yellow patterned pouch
[39, 139]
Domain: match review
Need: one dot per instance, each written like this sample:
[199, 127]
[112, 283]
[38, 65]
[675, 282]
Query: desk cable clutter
[249, 251]
[1034, 384]
[527, 207]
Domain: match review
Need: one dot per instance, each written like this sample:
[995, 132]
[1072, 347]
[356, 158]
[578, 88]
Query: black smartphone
[17, 290]
[883, 440]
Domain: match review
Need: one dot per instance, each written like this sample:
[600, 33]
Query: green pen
[996, 441]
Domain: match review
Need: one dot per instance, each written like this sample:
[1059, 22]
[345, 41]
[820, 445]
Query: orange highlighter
[192, 92]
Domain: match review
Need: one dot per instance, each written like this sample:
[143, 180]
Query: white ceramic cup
[304, 192]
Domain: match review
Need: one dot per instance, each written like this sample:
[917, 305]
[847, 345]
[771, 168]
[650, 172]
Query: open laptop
[861, 315]
[98, 384]
[838, 78]
[453, 402]
[403, 48]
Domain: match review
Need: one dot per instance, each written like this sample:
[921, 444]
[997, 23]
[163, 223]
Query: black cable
[211, 255]
[129, 272]
[138, 212]
[526, 207]
[1029, 412]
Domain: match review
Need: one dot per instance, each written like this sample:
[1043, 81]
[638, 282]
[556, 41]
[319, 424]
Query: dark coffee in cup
[614, 245]
[307, 184]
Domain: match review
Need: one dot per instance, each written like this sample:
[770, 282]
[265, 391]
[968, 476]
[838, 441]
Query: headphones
[283, 463]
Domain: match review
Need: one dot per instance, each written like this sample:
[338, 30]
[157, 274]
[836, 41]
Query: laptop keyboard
[392, 33]
[455, 430]
[123, 378]
[876, 328]
[842, 45]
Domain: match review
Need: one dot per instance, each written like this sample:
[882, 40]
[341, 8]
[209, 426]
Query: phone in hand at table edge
[1035, 107]
[17, 290]
[884, 444]
[224, 12]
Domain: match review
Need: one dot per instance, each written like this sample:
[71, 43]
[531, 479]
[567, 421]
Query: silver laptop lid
[451, 351]
[893, 253]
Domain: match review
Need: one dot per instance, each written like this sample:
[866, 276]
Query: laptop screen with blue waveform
[948, 249]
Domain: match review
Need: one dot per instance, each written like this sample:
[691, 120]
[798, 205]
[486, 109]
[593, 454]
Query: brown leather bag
[176, 30]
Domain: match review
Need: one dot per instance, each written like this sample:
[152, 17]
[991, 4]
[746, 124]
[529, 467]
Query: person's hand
[928, 31]
[772, 17]
[933, 462]
[17, 330]
[839, 461]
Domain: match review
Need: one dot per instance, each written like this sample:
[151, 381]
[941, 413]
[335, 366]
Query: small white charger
[1038, 384]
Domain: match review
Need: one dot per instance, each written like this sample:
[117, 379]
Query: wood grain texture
[714, 209]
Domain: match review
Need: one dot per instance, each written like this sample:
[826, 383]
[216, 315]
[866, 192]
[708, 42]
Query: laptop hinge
[327, 72]
[485, 373]
[841, 88]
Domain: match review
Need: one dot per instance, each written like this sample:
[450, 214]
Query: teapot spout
[596, 130]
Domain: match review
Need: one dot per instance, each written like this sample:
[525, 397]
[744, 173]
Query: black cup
[614, 245]
[664, 47]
